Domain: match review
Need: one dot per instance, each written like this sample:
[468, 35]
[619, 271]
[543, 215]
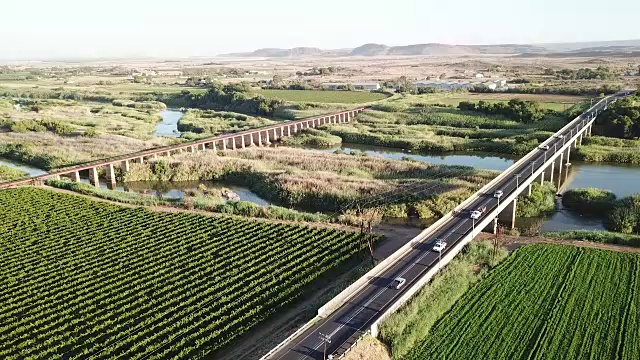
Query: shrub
[589, 200]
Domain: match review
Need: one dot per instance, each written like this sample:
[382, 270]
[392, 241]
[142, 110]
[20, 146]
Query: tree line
[519, 110]
[621, 119]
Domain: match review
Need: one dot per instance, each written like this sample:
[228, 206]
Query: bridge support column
[349, 117]
[559, 165]
[553, 168]
[203, 147]
[530, 188]
[289, 130]
[580, 140]
[233, 143]
[111, 174]
[224, 144]
[568, 155]
[192, 148]
[259, 142]
[266, 138]
[242, 144]
[76, 176]
[213, 145]
[125, 166]
[93, 177]
[508, 215]
[251, 142]
[542, 176]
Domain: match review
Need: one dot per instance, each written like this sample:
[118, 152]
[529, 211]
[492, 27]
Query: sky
[53, 29]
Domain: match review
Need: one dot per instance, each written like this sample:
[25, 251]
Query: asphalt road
[346, 324]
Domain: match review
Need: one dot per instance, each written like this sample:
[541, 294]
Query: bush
[625, 215]
[589, 200]
[540, 202]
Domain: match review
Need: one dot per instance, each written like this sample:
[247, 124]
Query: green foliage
[8, 173]
[540, 202]
[522, 111]
[589, 200]
[212, 122]
[409, 325]
[229, 97]
[323, 96]
[312, 137]
[621, 119]
[625, 215]
[26, 153]
[134, 278]
[90, 132]
[545, 302]
[600, 73]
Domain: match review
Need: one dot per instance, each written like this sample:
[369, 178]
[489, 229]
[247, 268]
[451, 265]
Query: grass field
[545, 302]
[337, 97]
[83, 279]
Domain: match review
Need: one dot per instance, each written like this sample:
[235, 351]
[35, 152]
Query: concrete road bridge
[366, 303]
[254, 137]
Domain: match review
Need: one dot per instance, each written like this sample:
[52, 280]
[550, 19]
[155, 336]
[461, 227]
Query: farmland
[85, 279]
[321, 96]
[545, 302]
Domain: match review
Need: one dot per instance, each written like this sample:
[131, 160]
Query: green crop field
[545, 302]
[321, 96]
[82, 279]
[552, 102]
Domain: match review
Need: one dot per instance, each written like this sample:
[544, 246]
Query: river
[622, 180]
[169, 125]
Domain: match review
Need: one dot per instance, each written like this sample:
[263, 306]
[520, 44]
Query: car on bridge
[475, 214]
[398, 282]
[544, 147]
[498, 194]
[439, 246]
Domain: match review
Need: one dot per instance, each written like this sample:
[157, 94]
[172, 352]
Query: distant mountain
[295, 52]
[569, 49]
[443, 49]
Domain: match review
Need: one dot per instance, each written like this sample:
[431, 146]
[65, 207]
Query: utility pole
[496, 242]
[326, 339]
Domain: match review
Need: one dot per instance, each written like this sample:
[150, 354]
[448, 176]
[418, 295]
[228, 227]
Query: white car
[475, 214]
[398, 282]
[544, 147]
[439, 246]
[498, 194]
[559, 136]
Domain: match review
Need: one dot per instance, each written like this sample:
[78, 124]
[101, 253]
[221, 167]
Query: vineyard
[82, 279]
[545, 302]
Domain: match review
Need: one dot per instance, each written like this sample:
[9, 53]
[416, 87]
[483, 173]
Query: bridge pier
[233, 143]
[124, 166]
[76, 176]
[266, 138]
[203, 147]
[111, 176]
[508, 215]
[259, 139]
[93, 177]
[192, 149]
[560, 165]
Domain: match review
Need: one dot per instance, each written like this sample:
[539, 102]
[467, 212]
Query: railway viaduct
[254, 137]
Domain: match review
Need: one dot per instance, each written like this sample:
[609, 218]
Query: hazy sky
[89, 28]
